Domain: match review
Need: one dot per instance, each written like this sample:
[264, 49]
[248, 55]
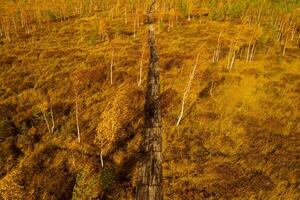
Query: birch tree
[46, 121]
[111, 66]
[76, 90]
[44, 108]
[187, 90]
[77, 117]
[52, 119]
[217, 51]
[141, 66]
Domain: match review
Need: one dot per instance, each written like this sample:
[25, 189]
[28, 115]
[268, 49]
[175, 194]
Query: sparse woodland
[73, 82]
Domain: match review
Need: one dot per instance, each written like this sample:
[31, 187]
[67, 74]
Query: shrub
[93, 37]
[5, 128]
[88, 184]
[2, 128]
[217, 13]
[235, 10]
[107, 178]
[183, 7]
[92, 184]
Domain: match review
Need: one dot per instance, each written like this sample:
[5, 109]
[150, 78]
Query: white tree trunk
[111, 68]
[134, 28]
[101, 159]
[253, 51]
[77, 120]
[248, 51]
[187, 90]
[47, 123]
[141, 67]
[52, 119]
[233, 57]
[284, 47]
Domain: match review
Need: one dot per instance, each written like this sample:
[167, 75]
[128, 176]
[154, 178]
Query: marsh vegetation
[73, 76]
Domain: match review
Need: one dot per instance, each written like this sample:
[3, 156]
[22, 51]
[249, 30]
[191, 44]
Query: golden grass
[237, 140]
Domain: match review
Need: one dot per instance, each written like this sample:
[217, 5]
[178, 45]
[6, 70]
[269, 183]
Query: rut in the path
[150, 178]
